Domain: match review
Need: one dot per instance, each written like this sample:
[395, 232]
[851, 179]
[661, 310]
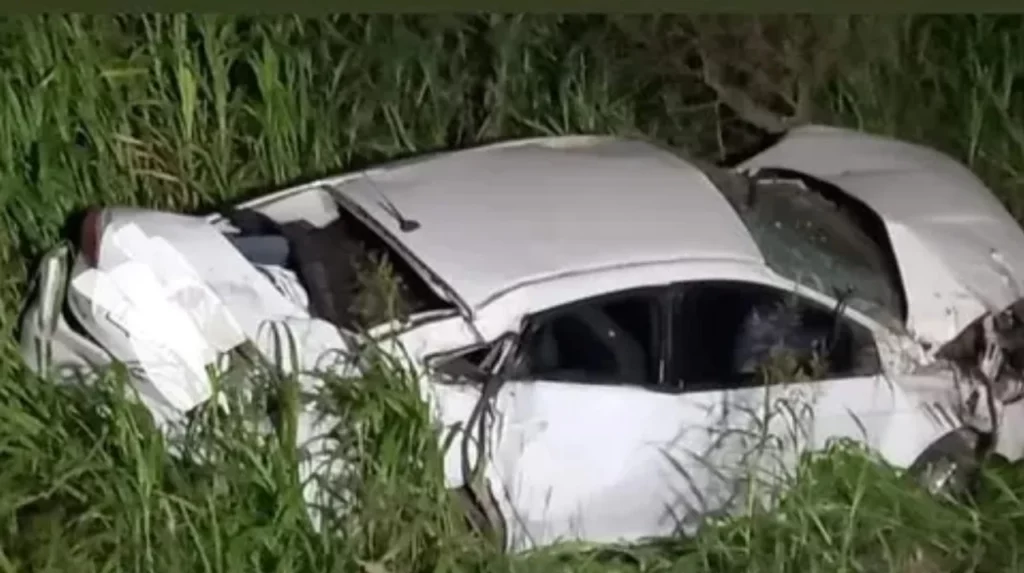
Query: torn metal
[960, 253]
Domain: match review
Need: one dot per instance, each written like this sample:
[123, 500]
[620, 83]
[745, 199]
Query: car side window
[608, 340]
[727, 334]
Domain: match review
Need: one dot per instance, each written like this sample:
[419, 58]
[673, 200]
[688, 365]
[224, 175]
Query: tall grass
[186, 113]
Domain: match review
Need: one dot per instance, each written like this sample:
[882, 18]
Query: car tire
[951, 466]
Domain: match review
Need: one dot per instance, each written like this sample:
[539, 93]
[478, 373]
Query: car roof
[496, 217]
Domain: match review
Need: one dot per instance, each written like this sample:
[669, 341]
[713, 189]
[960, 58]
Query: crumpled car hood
[171, 295]
[960, 253]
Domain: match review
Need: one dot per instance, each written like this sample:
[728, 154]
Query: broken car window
[805, 237]
[728, 334]
[604, 341]
[351, 276]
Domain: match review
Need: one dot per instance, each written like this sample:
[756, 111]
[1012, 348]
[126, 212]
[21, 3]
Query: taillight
[90, 236]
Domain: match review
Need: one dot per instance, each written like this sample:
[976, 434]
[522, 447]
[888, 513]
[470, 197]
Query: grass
[187, 113]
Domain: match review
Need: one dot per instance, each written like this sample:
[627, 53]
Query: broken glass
[806, 238]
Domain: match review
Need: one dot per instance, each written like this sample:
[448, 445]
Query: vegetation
[187, 113]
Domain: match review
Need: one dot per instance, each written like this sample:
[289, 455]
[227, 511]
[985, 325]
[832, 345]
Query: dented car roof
[492, 218]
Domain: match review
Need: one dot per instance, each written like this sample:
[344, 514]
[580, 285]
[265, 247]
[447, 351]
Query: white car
[617, 302]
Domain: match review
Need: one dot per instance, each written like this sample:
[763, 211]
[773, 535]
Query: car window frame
[803, 293]
[740, 189]
[659, 296]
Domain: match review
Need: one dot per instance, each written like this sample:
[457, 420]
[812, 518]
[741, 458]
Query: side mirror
[479, 365]
[462, 369]
[502, 353]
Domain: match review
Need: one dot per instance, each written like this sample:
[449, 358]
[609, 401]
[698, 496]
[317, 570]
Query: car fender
[928, 408]
[960, 253]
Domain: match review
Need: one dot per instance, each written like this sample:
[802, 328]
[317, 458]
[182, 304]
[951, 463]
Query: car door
[789, 373]
[591, 447]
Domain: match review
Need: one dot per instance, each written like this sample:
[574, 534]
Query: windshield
[807, 238]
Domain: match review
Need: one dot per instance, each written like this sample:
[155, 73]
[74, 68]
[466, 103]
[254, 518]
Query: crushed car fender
[934, 209]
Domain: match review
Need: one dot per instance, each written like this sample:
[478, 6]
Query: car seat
[560, 350]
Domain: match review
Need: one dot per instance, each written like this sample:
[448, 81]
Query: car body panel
[496, 217]
[645, 463]
[960, 252]
[607, 476]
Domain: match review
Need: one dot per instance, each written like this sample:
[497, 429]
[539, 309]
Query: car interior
[718, 330]
[339, 264]
[605, 342]
[722, 327]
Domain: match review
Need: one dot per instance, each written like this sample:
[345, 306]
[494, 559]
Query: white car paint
[626, 462]
[667, 455]
[581, 208]
[961, 252]
[512, 229]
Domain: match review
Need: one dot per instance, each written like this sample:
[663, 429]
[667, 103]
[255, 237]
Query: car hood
[959, 252]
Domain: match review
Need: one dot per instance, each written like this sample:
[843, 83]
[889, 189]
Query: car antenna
[405, 225]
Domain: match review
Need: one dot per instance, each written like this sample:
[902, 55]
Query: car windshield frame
[806, 238]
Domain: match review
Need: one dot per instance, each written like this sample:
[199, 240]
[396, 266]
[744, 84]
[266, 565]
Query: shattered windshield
[807, 238]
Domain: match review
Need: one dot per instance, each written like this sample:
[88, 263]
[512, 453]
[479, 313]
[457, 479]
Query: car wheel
[950, 466]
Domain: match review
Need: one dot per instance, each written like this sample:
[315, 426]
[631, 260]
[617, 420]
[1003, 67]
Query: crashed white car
[614, 304]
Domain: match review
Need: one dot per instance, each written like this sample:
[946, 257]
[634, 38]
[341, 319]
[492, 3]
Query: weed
[187, 112]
